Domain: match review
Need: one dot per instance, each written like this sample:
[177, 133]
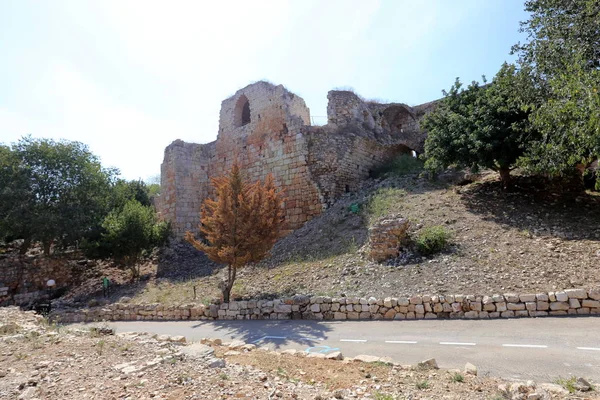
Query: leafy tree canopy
[54, 191]
[480, 126]
[563, 53]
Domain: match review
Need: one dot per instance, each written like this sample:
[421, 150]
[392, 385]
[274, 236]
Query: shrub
[131, 231]
[421, 385]
[402, 164]
[457, 377]
[433, 239]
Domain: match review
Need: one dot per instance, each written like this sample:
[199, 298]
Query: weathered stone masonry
[266, 129]
[508, 305]
[23, 278]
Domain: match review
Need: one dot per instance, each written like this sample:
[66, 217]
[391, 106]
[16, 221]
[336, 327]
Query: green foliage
[402, 164]
[153, 184]
[559, 32]
[563, 54]
[131, 231]
[123, 191]
[383, 202]
[432, 239]
[52, 192]
[421, 385]
[480, 126]
[383, 396]
[569, 122]
[457, 377]
[567, 383]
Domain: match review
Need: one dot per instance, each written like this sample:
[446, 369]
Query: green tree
[558, 33]
[481, 126]
[15, 197]
[131, 231]
[153, 184]
[563, 52]
[241, 225]
[123, 191]
[57, 191]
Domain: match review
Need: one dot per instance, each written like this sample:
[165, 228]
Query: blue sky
[128, 77]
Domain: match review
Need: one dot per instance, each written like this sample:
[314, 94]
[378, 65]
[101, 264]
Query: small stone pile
[508, 305]
[386, 236]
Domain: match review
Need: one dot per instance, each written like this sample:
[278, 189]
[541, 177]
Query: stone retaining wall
[23, 278]
[509, 305]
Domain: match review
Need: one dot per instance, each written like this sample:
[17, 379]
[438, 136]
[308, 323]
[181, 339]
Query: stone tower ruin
[266, 129]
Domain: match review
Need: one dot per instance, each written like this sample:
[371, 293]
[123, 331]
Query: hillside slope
[528, 239]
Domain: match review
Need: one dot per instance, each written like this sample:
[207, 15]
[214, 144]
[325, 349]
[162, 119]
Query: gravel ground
[42, 361]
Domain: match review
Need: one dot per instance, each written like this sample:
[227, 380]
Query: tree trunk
[47, 244]
[25, 246]
[231, 272]
[505, 177]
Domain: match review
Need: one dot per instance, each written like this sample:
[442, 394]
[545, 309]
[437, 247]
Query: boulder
[429, 363]
[470, 369]
[366, 358]
[336, 355]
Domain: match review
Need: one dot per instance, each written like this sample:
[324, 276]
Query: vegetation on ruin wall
[241, 225]
[58, 193]
[542, 114]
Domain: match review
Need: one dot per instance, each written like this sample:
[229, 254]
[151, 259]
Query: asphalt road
[541, 349]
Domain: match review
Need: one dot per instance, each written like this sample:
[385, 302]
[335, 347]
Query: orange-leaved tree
[241, 225]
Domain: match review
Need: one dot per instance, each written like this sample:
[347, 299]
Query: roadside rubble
[39, 360]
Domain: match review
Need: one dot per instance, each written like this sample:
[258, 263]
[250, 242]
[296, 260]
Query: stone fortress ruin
[266, 129]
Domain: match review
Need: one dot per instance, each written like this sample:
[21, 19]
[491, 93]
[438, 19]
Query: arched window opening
[246, 113]
[242, 112]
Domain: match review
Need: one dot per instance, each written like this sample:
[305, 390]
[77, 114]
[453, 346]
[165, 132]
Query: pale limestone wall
[459, 306]
[271, 134]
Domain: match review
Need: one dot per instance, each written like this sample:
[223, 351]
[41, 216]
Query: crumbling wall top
[261, 105]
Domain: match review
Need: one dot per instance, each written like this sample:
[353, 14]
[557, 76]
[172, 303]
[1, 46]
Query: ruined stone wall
[266, 129]
[23, 278]
[340, 161]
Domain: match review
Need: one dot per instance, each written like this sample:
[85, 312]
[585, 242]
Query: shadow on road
[278, 333]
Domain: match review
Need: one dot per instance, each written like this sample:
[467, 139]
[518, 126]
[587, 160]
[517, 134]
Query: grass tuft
[383, 202]
[422, 385]
[457, 377]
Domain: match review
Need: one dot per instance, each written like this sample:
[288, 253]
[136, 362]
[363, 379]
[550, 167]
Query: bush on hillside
[432, 239]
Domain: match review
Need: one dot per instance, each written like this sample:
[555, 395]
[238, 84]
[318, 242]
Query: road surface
[541, 349]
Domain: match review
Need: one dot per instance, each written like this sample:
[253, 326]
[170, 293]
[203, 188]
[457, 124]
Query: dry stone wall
[508, 305]
[386, 236]
[266, 129]
[23, 278]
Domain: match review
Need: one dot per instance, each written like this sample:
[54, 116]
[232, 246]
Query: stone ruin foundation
[266, 129]
[386, 237]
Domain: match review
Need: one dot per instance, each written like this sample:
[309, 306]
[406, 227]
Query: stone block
[561, 296]
[576, 294]
[559, 306]
[574, 303]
